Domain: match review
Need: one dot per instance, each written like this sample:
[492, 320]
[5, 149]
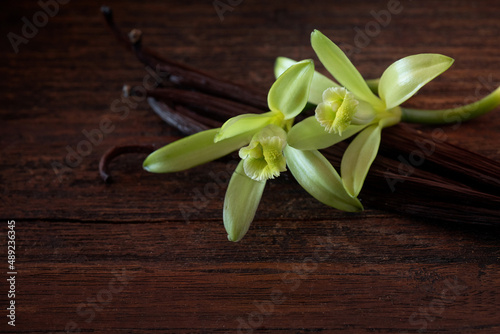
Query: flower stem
[454, 115]
[391, 117]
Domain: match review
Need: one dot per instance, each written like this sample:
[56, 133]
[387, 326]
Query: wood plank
[302, 267]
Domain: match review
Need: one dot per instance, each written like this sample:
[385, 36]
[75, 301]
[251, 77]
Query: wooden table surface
[149, 253]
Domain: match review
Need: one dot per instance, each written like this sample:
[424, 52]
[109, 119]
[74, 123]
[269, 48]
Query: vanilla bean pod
[426, 195]
[433, 153]
[117, 151]
[449, 186]
[183, 119]
[183, 75]
[432, 200]
[179, 117]
[211, 106]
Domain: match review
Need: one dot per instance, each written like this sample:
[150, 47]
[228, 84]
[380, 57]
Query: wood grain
[148, 253]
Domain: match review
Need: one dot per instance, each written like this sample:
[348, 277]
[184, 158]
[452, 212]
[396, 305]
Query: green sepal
[241, 202]
[245, 123]
[192, 151]
[405, 77]
[290, 91]
[318, 85]
[318, 177]
[337, 63]
[358, 158]
[309, 134]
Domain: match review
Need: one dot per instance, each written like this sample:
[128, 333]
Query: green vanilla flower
[268, 154]
[286, 99]
[352, 108]
[269, 143]
[336, 111]
[262, 140]
[263, 157]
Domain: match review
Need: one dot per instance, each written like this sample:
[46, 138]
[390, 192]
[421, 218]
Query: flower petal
[318, 177]
[405, 77]
[337, 110]
[244, 123]
[290, 91]
[337, 63]
[358, 158]
[240, 204]
[192, 151]
[310, 135]
[319, 82]
[263, 157]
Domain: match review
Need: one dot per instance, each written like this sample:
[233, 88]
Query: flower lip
[263, 158]
[337, 110]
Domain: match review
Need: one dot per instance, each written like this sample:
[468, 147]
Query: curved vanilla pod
[116, 151]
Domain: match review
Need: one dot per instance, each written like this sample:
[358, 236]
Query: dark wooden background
[123, 258]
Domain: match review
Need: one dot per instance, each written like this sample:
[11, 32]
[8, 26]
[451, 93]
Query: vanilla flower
[354, 109]
[269, 143]
[265, 153]
[263, 157]
[336, 111]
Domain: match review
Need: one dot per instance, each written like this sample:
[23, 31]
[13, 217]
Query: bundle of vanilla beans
[449, 184]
